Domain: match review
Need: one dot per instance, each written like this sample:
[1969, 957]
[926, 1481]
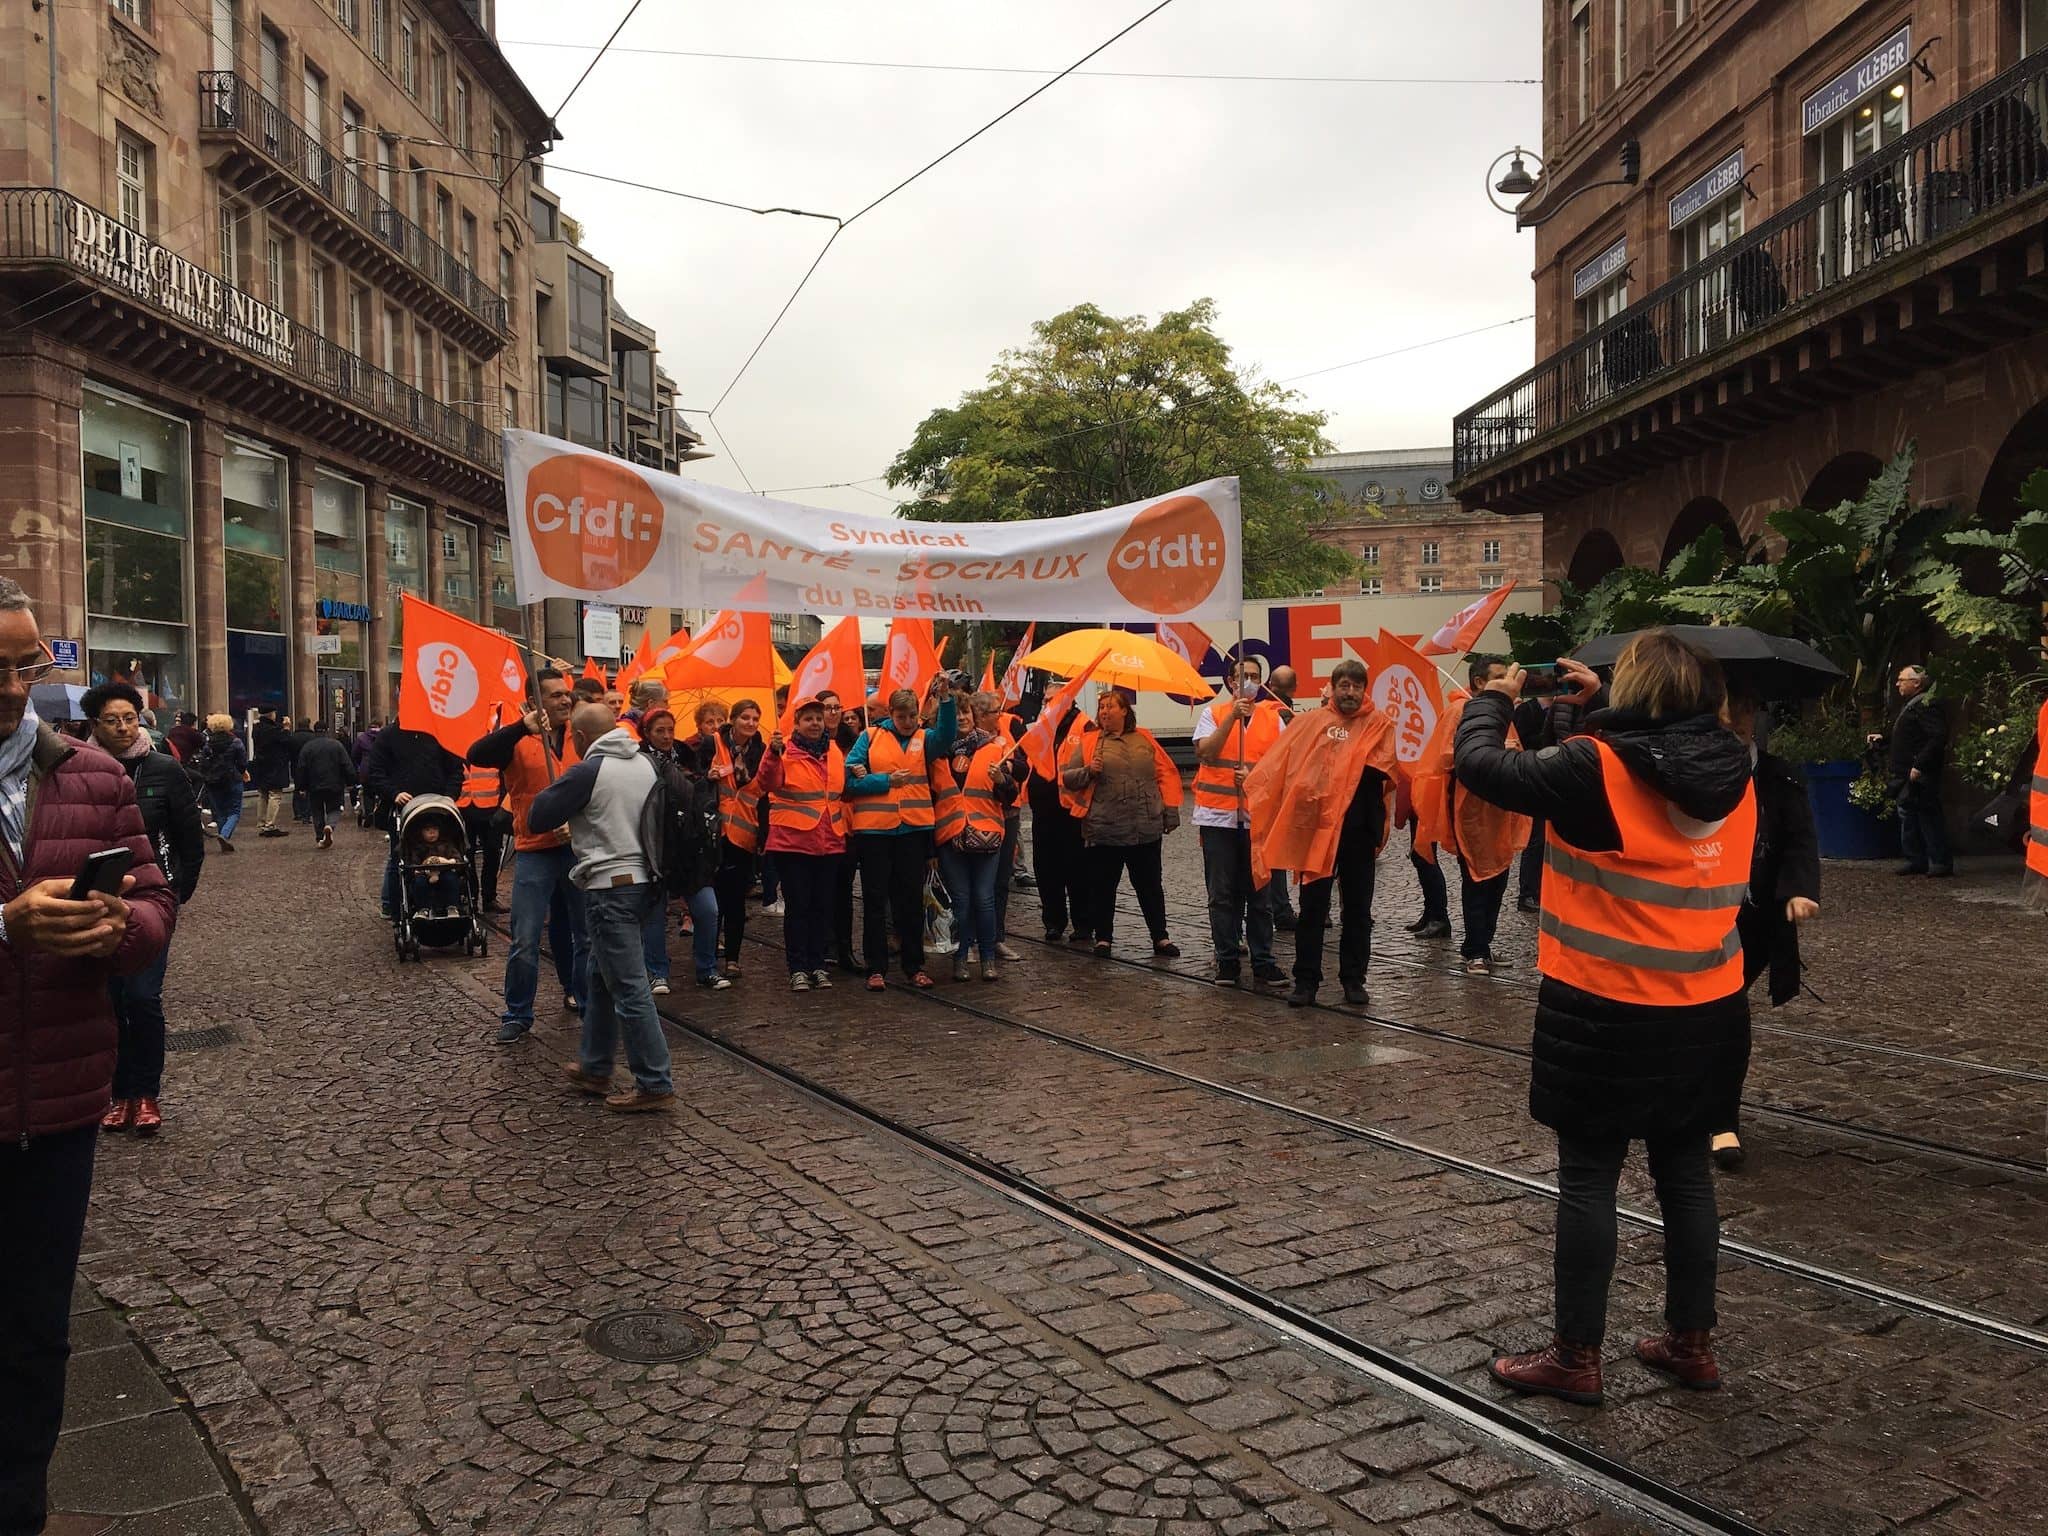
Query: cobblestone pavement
[367, 1244]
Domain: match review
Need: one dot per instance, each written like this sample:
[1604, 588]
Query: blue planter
[1847, 831]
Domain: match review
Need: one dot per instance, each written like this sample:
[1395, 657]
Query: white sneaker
[660, 988]
[773, 908]
[800, 982]
[821, 980]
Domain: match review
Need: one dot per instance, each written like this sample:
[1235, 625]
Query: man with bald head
[609, 801]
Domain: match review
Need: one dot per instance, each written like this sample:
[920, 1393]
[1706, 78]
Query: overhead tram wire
[596, 59]
[929, 165]
[1019, 69]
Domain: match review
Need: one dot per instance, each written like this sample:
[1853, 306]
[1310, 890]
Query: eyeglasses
[29, 671]
[116, 722]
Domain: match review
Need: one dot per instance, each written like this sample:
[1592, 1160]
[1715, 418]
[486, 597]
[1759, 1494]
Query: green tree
[1099, 410]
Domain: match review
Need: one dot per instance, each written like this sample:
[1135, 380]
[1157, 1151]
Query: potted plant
[1853, 808]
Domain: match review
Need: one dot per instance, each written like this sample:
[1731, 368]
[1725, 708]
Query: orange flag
[1409, 691]
[988, 675]
[671, 648]
[1483, 835]
[454, 675]
[1187, 641]
[1461, 631]
[1013, 674]
[1298, 794]
[592, 670]
[643, 658]
[910, 660]
[833, 665]
[1038, 739]
[734, 650]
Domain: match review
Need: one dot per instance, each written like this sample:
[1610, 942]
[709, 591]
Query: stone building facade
[1833, 247]
[269, 287]
[1391, 511]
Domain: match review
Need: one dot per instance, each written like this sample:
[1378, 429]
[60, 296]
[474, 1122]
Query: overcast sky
[1328, 221]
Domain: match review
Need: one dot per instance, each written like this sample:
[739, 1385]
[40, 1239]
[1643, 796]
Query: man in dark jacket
[295, 742]
[1056, 847]
[324, 773]
[404, 763]
[1532, 730]
[1916, 750]
[270, 768]
[59, 801]
[170, 820]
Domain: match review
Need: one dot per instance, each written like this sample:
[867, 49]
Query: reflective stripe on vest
[483, 789]
[1653, 922]
[811, 790]
[739, 805]
[973, 804]
[1216, 786]
[2037, 801]
[901, 805]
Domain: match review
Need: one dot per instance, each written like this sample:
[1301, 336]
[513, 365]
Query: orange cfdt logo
[594, 524]
[1171, 557]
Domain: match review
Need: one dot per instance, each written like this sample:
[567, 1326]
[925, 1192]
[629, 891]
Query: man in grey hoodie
[603, 801]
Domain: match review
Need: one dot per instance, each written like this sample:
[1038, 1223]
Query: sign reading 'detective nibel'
[110, 249]
[1600, 268]
[1706, 191]
[1857, 81]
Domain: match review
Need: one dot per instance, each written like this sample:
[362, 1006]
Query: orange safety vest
[1085, 748]
[973, 803]
[739, 805]
[2037, 802]
[811, 789]
[533, 769]
[901, 805]
[1654, 922]
[1216, 786]
[483, 789]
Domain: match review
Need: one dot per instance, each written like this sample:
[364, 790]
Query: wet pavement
[362, 1258]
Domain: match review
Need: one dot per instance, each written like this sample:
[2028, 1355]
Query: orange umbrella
[1133, 661]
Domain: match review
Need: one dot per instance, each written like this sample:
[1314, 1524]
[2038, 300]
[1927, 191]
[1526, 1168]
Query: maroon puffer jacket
[56, 1023]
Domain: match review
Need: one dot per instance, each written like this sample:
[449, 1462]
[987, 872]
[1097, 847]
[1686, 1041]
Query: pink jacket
[824, 838]
[56, 1023]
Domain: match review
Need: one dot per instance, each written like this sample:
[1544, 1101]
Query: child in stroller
[437, 905]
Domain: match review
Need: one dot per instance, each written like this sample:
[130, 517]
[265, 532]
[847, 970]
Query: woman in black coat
[1784, 891]
[1607, 1070]
[325, 771]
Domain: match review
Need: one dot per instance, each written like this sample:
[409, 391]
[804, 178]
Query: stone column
[377, 700]
[42, 505]
[209, 568]
[305, 667]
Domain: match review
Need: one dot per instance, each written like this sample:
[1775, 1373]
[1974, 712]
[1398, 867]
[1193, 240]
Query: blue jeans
[227, 809]
[620, 1003]
[536, 874]
[971, 887]
[139, 1020]
[704, 930]
[654, 940]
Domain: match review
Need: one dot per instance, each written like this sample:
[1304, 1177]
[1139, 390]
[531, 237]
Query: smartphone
[102, 872]
[1540, 679]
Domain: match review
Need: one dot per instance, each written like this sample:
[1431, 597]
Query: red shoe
[878, 983]
[1569, 1371]
[1686, 1356]
[922, 982]
[148, 1118]
[119, 1116]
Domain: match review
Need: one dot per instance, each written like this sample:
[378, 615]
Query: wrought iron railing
[1971, 160]
[40, 225]
[229, 103]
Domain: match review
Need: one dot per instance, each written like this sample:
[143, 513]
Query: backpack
[680, 829]
[215, 768]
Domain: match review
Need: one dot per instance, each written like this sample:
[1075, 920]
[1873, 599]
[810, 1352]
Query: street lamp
[1516, 181]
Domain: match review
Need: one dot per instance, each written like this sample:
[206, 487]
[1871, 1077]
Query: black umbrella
[1766, 666]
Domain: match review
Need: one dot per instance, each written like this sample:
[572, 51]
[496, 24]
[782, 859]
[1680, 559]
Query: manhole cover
[650, 1338]
[197, 1039]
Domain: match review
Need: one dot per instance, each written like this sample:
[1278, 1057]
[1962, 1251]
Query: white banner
[587, 525]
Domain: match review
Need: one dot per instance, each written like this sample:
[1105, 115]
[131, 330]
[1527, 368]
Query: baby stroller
[437, 906]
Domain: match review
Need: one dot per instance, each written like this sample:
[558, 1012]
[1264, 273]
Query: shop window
[405, 564]
[137, 525]
[255, 537]
[338, 560]
[133, 173]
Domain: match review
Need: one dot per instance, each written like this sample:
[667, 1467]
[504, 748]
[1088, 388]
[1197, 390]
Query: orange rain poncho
[1486, 837]
[1298, 794]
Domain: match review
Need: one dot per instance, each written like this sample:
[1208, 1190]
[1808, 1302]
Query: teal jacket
[939, 737]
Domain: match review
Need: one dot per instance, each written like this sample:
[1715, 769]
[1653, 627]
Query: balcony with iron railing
[1948, 186]
[43, 227]
[229, 104]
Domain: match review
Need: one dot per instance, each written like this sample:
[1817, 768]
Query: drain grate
[197, 1039]
[650, 1337]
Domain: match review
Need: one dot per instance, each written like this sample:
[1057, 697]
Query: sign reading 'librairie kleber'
[111, 250]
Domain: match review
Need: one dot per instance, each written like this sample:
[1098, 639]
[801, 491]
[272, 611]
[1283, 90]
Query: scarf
[142, 746]
[16, 759]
